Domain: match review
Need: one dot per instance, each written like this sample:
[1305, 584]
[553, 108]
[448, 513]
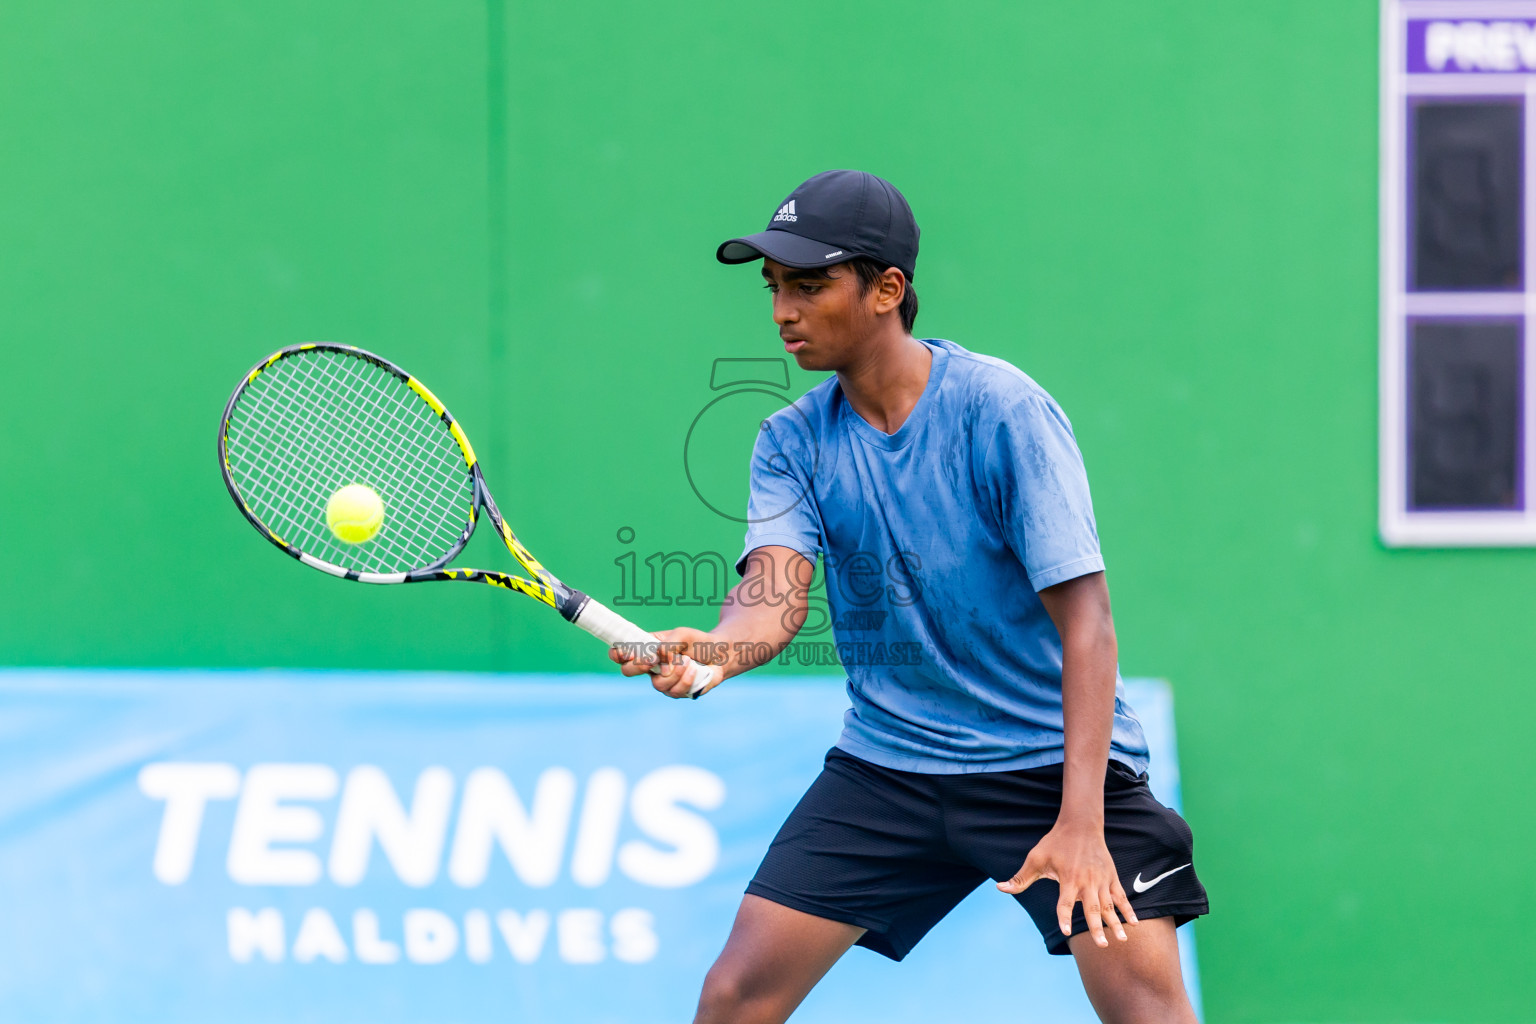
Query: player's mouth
[792, 344]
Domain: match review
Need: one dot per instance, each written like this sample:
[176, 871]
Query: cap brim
[782, 247]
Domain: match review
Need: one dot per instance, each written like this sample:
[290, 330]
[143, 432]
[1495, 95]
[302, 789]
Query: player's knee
[722, 997]
[730, 997]
[1165, 990]
[1144, 996]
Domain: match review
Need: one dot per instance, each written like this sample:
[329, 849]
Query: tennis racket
[311, 419]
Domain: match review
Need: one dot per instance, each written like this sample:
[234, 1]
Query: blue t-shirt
[934, 542]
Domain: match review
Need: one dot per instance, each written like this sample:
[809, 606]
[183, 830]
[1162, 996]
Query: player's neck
[884, 383]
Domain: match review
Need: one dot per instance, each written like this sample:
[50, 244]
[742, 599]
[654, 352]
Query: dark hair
[870, 271]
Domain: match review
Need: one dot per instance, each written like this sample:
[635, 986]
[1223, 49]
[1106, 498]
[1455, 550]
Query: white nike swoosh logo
[1141, 886]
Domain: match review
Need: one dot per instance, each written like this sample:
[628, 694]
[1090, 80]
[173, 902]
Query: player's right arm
[758, 619]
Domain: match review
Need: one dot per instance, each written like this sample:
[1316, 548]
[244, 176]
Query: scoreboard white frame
[1400, 525]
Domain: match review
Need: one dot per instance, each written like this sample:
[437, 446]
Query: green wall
[1163, 212]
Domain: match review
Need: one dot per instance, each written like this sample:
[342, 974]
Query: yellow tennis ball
[355, 513]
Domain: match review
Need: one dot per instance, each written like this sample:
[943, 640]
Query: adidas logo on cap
[786, 213]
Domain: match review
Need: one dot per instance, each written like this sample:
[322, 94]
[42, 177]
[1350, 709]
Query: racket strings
[359, 457]
[318, 420]
[393, 406]
[336, 459]
[412, 441]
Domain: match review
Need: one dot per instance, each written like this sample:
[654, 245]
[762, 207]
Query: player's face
[822, 320]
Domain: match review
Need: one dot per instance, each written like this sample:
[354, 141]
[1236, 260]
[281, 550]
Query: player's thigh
[865, 846]
[1137, 981]
[774, 957]
[997, 818]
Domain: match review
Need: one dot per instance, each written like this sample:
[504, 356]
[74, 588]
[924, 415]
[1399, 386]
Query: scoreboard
[1458, 98]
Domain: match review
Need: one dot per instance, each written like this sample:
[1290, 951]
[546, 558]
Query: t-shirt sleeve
[781, 510]
[1039, 491]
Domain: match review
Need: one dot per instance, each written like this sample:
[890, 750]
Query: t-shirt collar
[913, 424]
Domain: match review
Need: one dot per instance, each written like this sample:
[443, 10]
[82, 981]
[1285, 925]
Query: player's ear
[889, 290]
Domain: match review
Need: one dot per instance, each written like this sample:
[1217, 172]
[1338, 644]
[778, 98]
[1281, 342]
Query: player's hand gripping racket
[310, 420]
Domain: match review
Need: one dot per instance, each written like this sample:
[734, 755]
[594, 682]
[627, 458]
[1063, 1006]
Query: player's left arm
[1074, 853]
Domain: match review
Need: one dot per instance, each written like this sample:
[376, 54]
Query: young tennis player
[988, 736]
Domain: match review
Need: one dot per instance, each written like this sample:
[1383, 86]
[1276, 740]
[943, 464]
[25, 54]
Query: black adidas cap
[835, 216]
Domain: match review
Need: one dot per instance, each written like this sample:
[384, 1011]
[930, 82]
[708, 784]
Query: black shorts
[894, 851]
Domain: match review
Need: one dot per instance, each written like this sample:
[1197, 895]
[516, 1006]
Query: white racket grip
[612, 628]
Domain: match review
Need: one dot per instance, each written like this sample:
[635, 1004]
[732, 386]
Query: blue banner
[328, 847]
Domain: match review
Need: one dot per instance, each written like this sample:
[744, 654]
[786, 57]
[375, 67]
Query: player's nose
[784, 311]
